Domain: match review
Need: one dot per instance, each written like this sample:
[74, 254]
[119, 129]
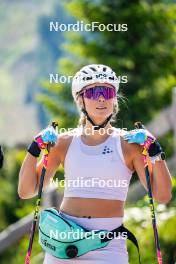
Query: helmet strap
[96, 127]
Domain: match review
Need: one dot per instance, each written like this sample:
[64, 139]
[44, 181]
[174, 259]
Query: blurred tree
[48, 51]
[145, 53]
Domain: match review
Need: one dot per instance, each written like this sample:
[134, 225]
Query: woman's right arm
[30, 172]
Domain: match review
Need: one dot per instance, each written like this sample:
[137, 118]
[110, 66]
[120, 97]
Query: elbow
[25, 194]
[164, 198]
[22, 194]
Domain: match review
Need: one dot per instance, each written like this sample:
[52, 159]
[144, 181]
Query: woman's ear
[80, 101]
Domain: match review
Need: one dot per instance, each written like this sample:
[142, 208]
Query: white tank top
[96, 171]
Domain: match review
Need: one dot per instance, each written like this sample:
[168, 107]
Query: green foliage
[17, 252]
[144, 233]
[173, 201]
[168, 235]
[167, 143]
[12, 207]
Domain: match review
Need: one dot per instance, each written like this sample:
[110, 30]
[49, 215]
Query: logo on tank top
[107, 150]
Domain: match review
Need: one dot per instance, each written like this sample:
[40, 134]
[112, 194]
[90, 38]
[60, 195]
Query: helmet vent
[87, 78]
[93, 69]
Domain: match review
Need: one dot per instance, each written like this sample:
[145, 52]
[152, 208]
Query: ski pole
[147, 144]
[38, 202]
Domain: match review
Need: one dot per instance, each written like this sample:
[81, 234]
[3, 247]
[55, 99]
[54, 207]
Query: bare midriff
[92, 207]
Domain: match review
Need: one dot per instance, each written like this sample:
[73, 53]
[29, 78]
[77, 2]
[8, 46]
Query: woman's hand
[46, 136]
[141, 136]
[41, 141]
[138, 136]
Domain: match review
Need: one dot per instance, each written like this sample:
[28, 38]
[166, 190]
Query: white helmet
[93, 73]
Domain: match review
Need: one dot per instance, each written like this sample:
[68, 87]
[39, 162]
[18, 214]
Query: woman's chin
[101, 112]
[100, 116]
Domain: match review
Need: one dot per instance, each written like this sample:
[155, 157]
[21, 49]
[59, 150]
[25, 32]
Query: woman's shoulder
[119, 131]
[63, 143]
[67, 136]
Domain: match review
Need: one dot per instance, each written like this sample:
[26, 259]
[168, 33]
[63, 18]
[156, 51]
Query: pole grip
[138, 125]
[54, 124]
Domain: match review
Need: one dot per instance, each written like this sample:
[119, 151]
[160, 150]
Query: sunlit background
[144, 58]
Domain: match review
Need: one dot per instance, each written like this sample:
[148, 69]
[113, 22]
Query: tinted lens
[111, 92]
[95, 92]
[88, 93]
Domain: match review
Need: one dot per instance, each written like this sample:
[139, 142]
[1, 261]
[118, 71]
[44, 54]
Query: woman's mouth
[100, 108]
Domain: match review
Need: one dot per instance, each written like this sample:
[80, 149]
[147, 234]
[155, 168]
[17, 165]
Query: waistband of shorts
[89, 217]
[97, 222]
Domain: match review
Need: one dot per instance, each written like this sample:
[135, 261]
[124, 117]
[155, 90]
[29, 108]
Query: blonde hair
[82, 119]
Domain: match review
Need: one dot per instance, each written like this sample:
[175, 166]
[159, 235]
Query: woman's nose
[101, 98]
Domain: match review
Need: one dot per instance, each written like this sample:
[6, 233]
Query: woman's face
[101, 108]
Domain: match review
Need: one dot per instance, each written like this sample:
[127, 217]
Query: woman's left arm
[160, 176]
[161, 181]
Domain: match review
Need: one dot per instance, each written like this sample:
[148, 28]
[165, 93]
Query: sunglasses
[93, 93]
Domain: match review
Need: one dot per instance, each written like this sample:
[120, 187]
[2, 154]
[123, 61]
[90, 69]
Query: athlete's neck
[89, 132]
